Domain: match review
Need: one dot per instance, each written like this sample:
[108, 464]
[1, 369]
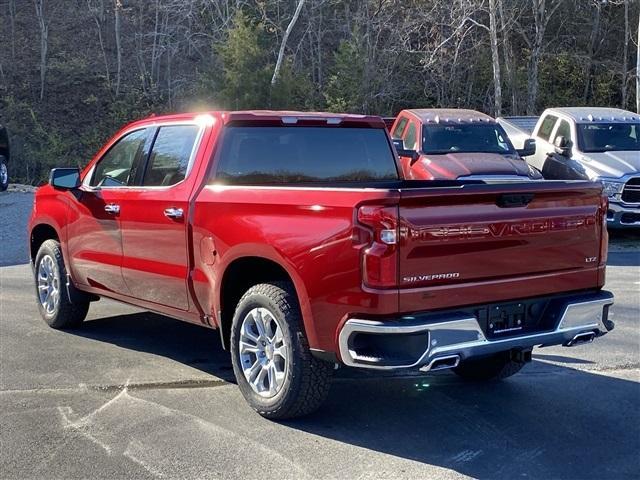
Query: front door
[93, 231]
[154, 220]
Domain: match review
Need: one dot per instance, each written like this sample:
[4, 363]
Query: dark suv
[4, 158]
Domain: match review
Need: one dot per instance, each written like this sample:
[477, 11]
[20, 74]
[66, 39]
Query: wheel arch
[244, 272]
[40, 233]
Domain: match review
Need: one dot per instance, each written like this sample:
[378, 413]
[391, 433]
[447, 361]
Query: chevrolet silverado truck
[450, 144]
[584, 143]
[296, 236]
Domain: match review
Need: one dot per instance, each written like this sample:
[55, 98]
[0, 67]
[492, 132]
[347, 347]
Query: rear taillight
[604, 236]
[380, 256]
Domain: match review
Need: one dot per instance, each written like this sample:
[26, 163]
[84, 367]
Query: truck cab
[450, 144]
[583, 143]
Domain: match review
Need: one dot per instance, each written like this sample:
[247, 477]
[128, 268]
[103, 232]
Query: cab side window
[546, 127]
[114, 168]
[171, 155]
[397, 132]
[410, 137]
[564, 130]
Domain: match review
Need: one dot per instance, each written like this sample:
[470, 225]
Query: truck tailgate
[461, 245]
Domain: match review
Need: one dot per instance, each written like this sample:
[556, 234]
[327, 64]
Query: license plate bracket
[506, 319]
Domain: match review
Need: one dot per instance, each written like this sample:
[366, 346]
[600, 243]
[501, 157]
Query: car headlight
[612, 188]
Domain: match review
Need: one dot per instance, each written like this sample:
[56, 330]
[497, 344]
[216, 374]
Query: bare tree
[492, 29]
[285, 38]
[117, 13]
[594, 37]
[625, 54]
[97, 12]
[638, 70]
[535, 42]
[43, 25]
[12, 22]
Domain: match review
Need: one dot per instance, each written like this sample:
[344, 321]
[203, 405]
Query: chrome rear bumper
[454, 337]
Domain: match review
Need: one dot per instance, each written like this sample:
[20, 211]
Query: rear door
[462, 246]
[154, 219]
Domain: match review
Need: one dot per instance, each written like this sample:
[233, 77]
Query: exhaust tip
[580, 338]
[442, 363]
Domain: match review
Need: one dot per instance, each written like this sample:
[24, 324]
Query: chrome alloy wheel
[263, 352]
[4, 174]
[48, 284]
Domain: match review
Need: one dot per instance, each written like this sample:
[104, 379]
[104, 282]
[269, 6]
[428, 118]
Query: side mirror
[398, 143]
[65, 178]
[412, 154]
[562, 146]
[528, 149]
[402, 152]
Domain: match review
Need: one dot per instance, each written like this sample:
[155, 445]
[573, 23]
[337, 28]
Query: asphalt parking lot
[138, 395]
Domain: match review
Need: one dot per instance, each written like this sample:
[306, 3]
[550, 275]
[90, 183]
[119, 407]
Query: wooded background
[73, 71]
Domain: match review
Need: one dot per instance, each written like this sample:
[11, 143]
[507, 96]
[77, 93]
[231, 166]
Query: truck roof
[269, 116]
[449, 115]
[596, 114]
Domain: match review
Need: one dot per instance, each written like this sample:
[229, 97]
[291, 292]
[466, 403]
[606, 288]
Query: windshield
[489, 138]
[603, 137]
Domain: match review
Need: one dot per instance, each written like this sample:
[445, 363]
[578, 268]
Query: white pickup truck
[585, 143]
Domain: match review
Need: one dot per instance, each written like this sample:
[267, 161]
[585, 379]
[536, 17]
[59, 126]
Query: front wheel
[276, 373]
[4, 174]
[54, 303]
[495, 367]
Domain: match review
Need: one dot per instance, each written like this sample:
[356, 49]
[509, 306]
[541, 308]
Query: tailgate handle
[510, 200]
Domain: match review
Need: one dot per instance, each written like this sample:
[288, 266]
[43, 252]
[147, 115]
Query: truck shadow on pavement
[548, 421]
[192, 345]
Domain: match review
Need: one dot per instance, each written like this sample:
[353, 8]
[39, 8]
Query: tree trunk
[44, 43]
[12, 21]
[117, 28]
[509, 66]
[283, 45]
[625, 54]
[638, 70]
[593, 40]
[495, 58]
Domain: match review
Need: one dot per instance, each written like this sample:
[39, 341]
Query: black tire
[495, 367]
[64, 313]
[4, 174]
[306, 379]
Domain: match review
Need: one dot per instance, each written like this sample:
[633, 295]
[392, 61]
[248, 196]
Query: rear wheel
[54, 303]
[273, 365]
[495, 367]
[4, 174]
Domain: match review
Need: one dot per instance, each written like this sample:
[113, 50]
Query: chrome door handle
[112, 208]
[173, 212]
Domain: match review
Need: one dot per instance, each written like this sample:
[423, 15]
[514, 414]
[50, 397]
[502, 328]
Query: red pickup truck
[445, 143]
[295, 235]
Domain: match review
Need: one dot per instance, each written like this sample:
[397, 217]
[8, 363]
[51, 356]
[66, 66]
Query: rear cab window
[273, 155]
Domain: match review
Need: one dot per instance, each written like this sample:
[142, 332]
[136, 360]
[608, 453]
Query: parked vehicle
[297, 237]
[449, 144]
[583, 143]
[5, 155]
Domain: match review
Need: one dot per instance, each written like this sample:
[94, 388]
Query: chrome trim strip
[461, 335]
